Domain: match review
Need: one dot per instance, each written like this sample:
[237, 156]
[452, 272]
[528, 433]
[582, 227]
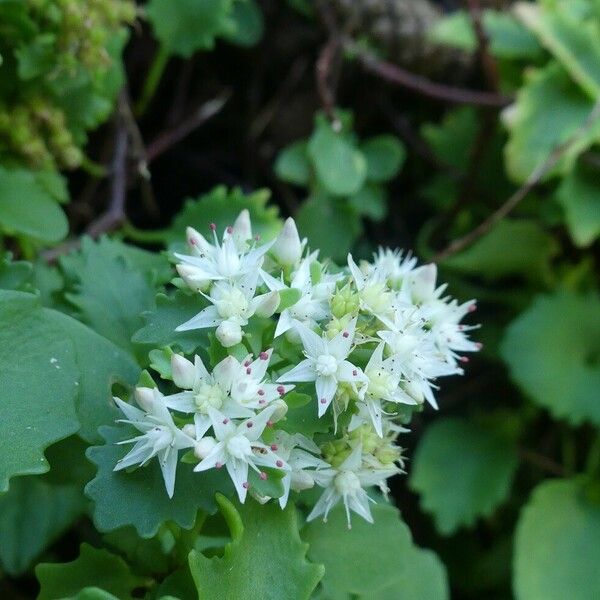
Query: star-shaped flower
[326, 364]
[160, 436]
[238, 448]
[346, 483]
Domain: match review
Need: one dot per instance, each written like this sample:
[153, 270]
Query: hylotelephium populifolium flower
[298, 342]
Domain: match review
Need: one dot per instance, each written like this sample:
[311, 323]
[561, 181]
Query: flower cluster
[364, 345]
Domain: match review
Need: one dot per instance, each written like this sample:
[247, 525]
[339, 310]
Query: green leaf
[330, 225]
[38, 385]
[302, 416]
[548, 96]
[222, 206]
[385, 155]
[100, 364]
[185, 26]
[92, 568]
[370, 201]
[33, 514]
[160, 361]
[579, 195]
[510, 248]
[463, 470]
[264, 561]
[292, 164]
[26, 208]
[101, 300]
[37, 57]
[138, 498]
[574, 42]
[373, 561]
[556, 546]
[171, 311]
[340, 166]
[552, 350]
[508, 38]
[14, 274]
[92, 593]
[248, 24]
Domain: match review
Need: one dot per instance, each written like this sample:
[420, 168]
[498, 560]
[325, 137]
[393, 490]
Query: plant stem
[152, 80]
[592, 464]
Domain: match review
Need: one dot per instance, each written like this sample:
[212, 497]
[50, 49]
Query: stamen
[248, 371]
[355, 372]
[247, 363]
[213, 227]
[263, 475]
[264, 355]
[479, 345]
[280, 390]
[323, 401]
[279, 463]
[269, 423]
[225, 421]
[261, 392]
[245, 485]
[249, 424]
[345, 334]
[229, 229]
[464, 359]
[274, 447]
[218, 465]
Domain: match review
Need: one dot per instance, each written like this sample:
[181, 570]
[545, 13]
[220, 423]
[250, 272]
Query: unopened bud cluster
[365, 344]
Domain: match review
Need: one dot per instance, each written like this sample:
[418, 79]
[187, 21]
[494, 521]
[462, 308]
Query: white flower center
[228, 262]
[381, 383]
[239, 446]
[347, 483]
[208, 395]
[326, 365]
[231, 302]
[161, 437]
[376, 297]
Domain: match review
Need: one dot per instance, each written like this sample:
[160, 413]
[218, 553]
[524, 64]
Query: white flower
[346, 483]
[205, 390]
[326, 363]
[288, 248]
[392, 265]
[311, 305]
[383, 385]
[375, 297]
[238, 448]
[160, 437]
[298, 451]
[221, 261]
[233, 303]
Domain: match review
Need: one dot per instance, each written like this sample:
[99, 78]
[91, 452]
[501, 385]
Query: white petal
[303, 371]
[326, 388]
[359, 503]
[328, 499]
[208, 317]
[314, 344]
[341, 344]
[183, 402]
[167, 460]
[238, 471]
[213, 458]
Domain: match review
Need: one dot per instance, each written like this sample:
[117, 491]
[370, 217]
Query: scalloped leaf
[292, 164]
[34, 513]
[138, 498]
[548, 96]
[185, 26]
[579, 195]
[463, 470]
[373, 561]
[222, 206]
[171, 311]
[266, 560]
[510, 248]
[99, 298]
[38, 385]
[556, 545]
[573, 41]
[385, 155]
[552, 352]
[92, 568]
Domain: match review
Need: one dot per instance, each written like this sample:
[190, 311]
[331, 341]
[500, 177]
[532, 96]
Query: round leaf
[556, 548]
[385, 155]
[553, 350]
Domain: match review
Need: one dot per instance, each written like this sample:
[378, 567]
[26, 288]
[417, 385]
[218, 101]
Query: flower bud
[229, 333]
[268, 304]
[242, 228]
[189, 430]
[189, 274]
[287, 248]
[197, 242]
[280, 411]
[345, 301]
[184, 372]
[301, 480]
[144, 396]
[204, 446]
[414, 391]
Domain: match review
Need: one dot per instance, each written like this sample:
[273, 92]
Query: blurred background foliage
[467, 131]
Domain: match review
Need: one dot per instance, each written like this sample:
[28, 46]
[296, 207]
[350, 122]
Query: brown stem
[536, 176]
[438, 91]
[324, 67]
[171, 137]
[542, 462]
[488, 62]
